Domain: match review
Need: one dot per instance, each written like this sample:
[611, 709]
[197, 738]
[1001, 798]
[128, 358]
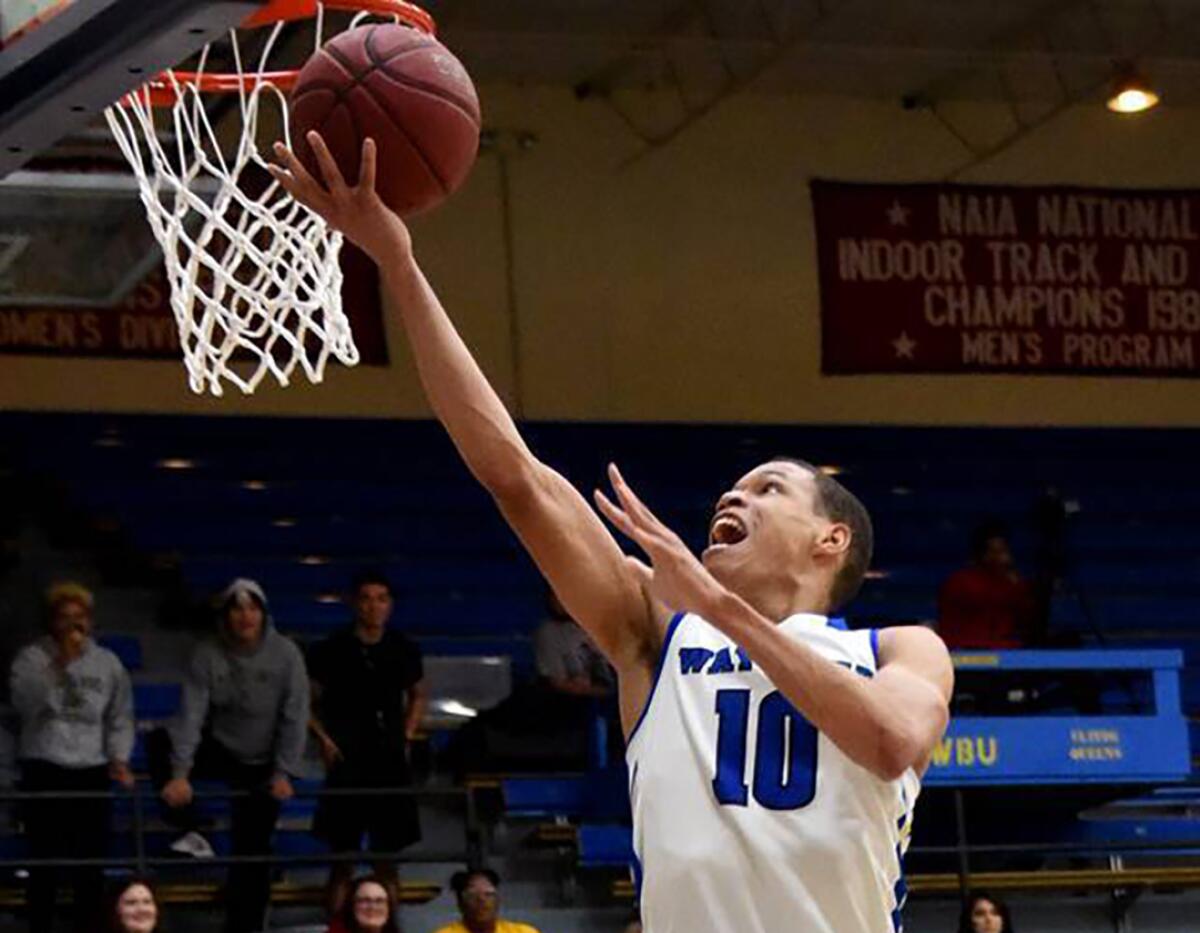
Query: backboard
[20, 16]
[71, 239]
[80, 270]
[73, 233]
[57, 77]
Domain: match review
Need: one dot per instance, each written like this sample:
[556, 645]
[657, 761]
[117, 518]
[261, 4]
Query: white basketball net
[255, 282]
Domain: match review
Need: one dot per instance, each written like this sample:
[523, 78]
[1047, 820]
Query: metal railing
[472, 852]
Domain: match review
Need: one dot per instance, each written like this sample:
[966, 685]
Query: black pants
[248, 889]
[66, 829]
[388, 823]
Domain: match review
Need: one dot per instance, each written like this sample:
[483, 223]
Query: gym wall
[682, 287]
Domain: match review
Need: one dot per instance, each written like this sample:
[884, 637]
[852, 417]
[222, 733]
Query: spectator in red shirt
[986, 604]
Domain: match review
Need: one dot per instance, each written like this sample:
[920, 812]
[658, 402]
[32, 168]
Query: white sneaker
[193, 844]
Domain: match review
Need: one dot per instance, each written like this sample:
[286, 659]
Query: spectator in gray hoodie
[243, 721]
[75, 708]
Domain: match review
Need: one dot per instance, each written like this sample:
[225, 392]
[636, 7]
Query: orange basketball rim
[162, 91]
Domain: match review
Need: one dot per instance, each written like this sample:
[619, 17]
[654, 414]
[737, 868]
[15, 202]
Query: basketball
[402, 88]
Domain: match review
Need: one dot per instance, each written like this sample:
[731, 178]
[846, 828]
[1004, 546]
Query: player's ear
[835, 540]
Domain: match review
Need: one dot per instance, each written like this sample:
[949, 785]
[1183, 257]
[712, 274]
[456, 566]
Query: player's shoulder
[920, 650]
[902, 640]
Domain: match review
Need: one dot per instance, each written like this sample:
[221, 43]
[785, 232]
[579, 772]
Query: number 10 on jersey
[785, 761]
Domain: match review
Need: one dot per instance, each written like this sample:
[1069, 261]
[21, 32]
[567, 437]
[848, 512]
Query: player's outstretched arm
[566, 539]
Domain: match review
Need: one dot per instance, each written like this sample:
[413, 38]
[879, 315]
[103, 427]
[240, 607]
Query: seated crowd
[250, 701]
[370, 907]
[250, 697]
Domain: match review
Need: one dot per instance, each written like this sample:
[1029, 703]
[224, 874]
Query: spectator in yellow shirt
[479, 904]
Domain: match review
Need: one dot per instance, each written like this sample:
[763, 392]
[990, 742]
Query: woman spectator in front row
[983, 913]
[134, 908]
[370, 907]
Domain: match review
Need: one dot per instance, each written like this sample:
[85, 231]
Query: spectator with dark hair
[370, 908]
[135, 908]
[983, 913]
[243, 722]
[478, 896]
[75, 707]
[986, 604]
[368, 691]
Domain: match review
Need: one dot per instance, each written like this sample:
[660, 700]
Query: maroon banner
[971, 279]
[143, 325]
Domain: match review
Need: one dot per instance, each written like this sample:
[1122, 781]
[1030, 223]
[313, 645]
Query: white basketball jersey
[745, 819]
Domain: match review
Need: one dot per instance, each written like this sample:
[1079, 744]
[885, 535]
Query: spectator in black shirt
[368, 700]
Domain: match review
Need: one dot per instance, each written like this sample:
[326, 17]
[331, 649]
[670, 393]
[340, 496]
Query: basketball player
[774, 758]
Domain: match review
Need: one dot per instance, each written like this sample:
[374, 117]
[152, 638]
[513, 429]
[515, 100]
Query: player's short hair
[839, 504]
[371, 576]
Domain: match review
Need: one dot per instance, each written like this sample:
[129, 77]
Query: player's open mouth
[726, 530]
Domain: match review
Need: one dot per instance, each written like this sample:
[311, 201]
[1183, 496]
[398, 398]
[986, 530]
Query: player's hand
[281, 788]
[177, 792]
[356, 210]
[675, 577]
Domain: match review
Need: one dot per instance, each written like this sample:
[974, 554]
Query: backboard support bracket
[58, 77]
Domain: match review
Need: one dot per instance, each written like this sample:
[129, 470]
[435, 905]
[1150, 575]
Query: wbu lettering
[966, 751]
[706, 661]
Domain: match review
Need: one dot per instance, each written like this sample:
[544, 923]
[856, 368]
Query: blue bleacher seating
[156, 701]
[126, 647]
[605, 846]
[404, 500]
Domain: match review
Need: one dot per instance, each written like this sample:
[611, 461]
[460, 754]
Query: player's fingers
[307, 193]
[652, 544]
[291, 173]
[629, 500]
[329, 168]
[645, 539]
[285, 178]
[291, 164]
[614, 514]
[289, 183]
[366, 172]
